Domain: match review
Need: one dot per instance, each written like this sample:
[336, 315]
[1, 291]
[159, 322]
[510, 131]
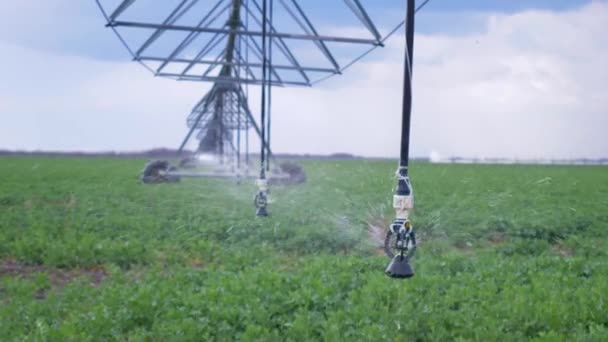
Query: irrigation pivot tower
[223, 113]
[234, 44]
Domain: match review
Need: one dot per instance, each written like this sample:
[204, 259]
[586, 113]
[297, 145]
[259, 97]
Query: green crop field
[506, 253]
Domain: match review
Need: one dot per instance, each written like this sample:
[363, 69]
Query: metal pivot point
[401, 231]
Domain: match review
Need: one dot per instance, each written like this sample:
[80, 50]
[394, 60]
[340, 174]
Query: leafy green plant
[507, 253]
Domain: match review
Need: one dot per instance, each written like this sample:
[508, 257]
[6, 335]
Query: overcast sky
[492, 78]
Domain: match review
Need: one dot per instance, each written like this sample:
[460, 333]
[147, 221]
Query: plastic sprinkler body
[261, 198]
[400, 242]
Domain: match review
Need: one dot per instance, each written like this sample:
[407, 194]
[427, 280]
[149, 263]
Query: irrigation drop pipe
[269, 84]
[261, 198]
[400, 235]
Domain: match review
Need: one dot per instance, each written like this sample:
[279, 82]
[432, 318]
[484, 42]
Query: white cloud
[525, 85]
[70, 103]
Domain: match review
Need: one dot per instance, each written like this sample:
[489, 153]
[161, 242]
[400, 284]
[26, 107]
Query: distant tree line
[158, 153]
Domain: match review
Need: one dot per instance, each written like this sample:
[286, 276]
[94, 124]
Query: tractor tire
[155, 172]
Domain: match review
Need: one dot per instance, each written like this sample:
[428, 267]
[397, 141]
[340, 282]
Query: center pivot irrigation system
[233, 44]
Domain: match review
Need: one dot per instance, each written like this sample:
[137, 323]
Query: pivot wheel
[158, 171]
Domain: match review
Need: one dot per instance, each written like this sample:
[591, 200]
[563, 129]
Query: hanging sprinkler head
[400, 241]
[261, 198]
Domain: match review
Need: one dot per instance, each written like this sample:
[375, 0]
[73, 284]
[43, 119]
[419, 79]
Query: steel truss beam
[216, 9]
[243, 64]
[236, 98]
[312, 37]
[228, 80]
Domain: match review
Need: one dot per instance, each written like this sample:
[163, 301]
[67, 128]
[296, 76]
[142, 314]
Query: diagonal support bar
[312, 29]
[359, 11]
[205, 102]
[121, 8]
[281, 43]
[206, 21]
[171, 19]
[241, 63]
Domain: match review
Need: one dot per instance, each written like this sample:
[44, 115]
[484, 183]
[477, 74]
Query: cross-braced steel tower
[220, 117]
[248, 47]
[223, 113]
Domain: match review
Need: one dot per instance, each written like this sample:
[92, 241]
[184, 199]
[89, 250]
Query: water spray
[400, 241]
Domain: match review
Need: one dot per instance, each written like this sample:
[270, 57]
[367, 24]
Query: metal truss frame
[225, 107]
[252, 9]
